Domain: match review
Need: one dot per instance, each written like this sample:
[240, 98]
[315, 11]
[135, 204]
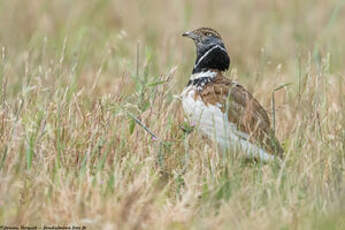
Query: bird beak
[190, 35]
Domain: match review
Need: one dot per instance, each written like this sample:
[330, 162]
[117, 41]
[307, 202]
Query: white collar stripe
[209, 73]
[207, 53]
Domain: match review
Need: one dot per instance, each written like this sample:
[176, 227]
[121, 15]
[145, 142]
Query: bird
[221, 108]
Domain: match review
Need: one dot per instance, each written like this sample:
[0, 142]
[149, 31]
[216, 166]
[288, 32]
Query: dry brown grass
[71, 155]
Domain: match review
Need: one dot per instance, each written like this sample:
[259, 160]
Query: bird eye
[208, 34]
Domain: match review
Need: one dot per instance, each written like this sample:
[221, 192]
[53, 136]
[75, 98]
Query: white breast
[212, 122]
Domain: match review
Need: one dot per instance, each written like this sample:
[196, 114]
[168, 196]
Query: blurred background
[259, 34]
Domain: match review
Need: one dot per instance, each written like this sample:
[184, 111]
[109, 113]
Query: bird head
[203, 36]
[211, 51]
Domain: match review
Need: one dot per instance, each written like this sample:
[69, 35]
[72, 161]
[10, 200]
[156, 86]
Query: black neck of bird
[213, 56]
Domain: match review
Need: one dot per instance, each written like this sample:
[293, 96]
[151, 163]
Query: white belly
[212, 122]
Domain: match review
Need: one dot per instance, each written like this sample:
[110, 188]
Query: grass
[75, 75]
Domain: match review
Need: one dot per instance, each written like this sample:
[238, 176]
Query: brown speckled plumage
[243, 110]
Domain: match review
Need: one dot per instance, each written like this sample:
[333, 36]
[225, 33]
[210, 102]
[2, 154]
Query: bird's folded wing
[244, 111]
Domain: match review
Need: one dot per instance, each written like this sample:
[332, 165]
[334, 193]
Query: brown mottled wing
[244, 111]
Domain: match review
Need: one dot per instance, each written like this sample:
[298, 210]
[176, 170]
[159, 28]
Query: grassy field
[73, 74]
